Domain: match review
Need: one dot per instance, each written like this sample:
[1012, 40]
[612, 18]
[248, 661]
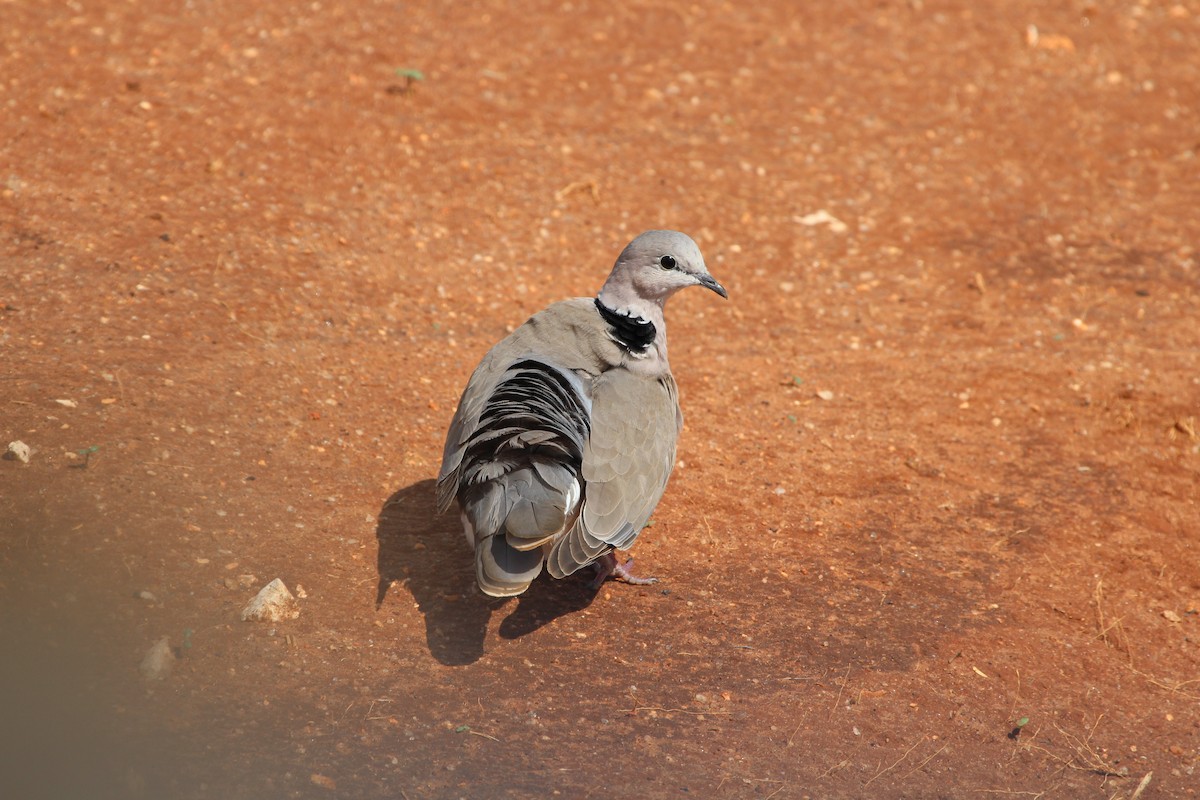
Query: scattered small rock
[1171, 616]
[147, 596]
[67, 403]
[158, 661]
[19, 451]
[823, 217]
[922, 468]
[300, 592]
[323, 781]
[272, 604]
[1035, 38]
[240, 582]
[825, 394]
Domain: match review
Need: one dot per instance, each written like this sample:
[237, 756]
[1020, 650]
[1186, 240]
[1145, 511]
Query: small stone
[147, 596]
[822, 217]
[158, 661]
[67, 403]
[246, 581]
[272, 604]
[1171, 616]
[825, 394]
[18, 450]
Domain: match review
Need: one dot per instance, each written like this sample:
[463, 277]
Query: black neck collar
[632, 333]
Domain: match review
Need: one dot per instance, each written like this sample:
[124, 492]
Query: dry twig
[1084, 758]
[579, 186]
[1121, 641]
[838, 766]
[1176, 688]
[897, 763]
[1034, 795]
[662, 710]
[934, 755]
[841, 688]
[371, 709]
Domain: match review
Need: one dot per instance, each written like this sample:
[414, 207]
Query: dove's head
[653, 267]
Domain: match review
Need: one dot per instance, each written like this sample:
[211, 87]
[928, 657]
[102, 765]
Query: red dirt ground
[261, 266]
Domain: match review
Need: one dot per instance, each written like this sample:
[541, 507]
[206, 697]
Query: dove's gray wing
[514, 453]
[568, 335]
[628, 458]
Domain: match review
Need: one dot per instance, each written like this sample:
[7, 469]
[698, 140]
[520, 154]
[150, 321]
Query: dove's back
[565, 435]
[542, 452]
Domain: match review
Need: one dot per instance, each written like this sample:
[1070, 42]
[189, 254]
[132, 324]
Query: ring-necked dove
[565, 435]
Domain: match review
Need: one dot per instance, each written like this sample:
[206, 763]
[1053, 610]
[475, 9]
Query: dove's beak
[709, 282]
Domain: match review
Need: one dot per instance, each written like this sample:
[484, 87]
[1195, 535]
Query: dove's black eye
[667, 262]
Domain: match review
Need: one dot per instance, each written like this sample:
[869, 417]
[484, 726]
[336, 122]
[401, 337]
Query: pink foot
[607, 567]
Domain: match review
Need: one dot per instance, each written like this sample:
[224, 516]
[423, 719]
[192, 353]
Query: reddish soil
[939, 472]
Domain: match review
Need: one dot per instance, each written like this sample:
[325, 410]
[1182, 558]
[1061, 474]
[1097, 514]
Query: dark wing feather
[519, 477]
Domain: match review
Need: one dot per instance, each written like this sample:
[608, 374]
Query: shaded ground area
[933, 530]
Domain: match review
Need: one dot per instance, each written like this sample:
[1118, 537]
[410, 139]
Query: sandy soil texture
[934, 527]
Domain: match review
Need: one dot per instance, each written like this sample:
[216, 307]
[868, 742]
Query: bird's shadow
[426, 554]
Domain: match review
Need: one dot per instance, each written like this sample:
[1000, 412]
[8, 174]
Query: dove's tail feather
[521, 484]
[502, 570]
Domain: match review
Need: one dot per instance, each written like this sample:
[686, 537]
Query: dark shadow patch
[546, 600]
[425, 553]
[418, 548]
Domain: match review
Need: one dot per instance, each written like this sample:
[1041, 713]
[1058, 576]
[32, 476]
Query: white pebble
[20, 451]
[158, 661]
[822, 217]
[272, 604]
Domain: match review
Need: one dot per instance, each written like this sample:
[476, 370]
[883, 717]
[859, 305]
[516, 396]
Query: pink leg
[607, 567]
